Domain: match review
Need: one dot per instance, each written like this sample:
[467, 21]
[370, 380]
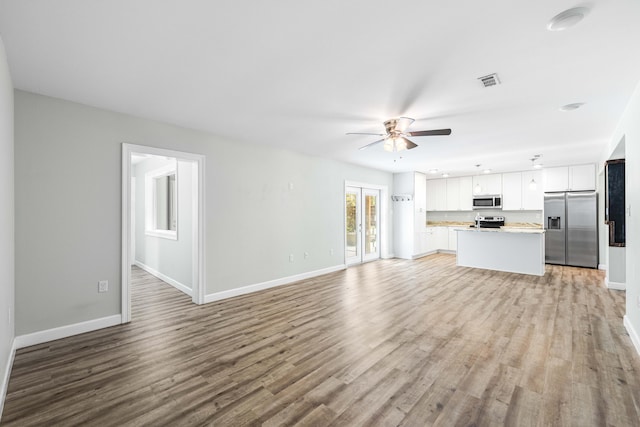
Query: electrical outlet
[291, 258]
[331, 251]
[103, 286]
[306, 255]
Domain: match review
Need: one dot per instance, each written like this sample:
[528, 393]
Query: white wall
[629, 131]
[6, 223]
[172, 258]
[68, 189]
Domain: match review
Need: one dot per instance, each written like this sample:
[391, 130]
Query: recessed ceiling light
[486, 171]
[567, 19]
[537, 166]
[433, 171]
[571, 107]
[445, 175]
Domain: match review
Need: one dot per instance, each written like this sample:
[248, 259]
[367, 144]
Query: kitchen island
[514, 250]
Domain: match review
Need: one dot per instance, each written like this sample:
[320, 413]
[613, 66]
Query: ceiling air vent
[490, 80]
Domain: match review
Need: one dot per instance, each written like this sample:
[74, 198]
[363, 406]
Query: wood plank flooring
[410, 343]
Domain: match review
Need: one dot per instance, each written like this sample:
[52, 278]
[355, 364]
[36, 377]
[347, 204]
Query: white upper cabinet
[420, 192]
[519, 194]
[460, 194]
[453, 194]
[570, 178]
[532, 195]
[582, 177]
[466, 193]
[556, 179]
[487, 184]
[437, 195]
[512, 191]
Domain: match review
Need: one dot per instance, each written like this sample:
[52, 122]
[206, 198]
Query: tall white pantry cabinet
[410, 237]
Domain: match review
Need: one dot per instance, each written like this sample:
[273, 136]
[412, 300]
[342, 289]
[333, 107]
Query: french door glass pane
[352, 225]
[371, 224]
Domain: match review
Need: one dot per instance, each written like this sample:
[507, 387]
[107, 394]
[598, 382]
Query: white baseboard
[616, 286]
[27, 340]
[424, 254]
[179, 286]
[388, 256]
[271, 284]
[635, 338]
[602, 267]
[4, 384]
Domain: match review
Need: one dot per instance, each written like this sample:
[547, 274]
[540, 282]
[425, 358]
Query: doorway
[362, 224]
[161, 179]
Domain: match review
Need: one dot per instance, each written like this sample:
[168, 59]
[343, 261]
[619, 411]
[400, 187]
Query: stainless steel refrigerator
[571, 224]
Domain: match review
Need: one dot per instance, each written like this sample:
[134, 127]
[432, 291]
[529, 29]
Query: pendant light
[533, 185]
[477, 189]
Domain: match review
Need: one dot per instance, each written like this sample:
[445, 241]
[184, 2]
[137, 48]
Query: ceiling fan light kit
[396, 136]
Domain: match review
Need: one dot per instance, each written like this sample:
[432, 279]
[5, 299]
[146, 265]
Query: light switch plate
[103, 286]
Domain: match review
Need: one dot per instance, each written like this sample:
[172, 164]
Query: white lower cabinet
[436, 238]
[441, 237]
[453, 238]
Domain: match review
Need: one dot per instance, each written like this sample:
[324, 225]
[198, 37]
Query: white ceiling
[299, 75]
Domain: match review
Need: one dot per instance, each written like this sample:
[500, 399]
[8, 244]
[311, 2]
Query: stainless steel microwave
[493, 201]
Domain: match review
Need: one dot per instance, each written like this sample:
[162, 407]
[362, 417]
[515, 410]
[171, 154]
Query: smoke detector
[490, 80]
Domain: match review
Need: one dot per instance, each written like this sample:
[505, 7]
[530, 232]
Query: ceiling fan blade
[364, 133]
[409, 144]
[371, 144]
[434, 132]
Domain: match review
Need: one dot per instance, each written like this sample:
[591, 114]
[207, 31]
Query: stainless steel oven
[493, 201]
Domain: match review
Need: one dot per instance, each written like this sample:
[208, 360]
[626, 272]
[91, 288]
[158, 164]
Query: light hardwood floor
[387, 343]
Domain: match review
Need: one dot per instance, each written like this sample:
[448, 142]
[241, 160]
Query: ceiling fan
[396, 137]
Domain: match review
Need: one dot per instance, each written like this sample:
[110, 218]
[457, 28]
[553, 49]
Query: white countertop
[504, 230]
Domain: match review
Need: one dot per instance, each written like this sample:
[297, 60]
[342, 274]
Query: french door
[362, 225]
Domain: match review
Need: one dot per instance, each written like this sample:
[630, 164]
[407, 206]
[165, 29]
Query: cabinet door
[479, 183]
[431, 195]
[418, 245]
[419, 220]
[441, 194]
[420, 191]
[453, 194]
[532, 198]
[494, 183]
[582, 177]
[512, 191]
[441, 237]
[453, 239]
[487, 184]
[466, 193]
[436, 194]
[556, 179]
[430, 243]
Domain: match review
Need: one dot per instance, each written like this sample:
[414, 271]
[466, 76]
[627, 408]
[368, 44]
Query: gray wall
[6, 219]
[68, 185]
[169, 257]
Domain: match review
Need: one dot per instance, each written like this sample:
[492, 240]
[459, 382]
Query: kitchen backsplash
[465, 216]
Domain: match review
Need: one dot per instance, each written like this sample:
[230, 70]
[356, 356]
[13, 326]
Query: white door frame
[364, 193]
[198, 250]
[384, 221]
[357, 258]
